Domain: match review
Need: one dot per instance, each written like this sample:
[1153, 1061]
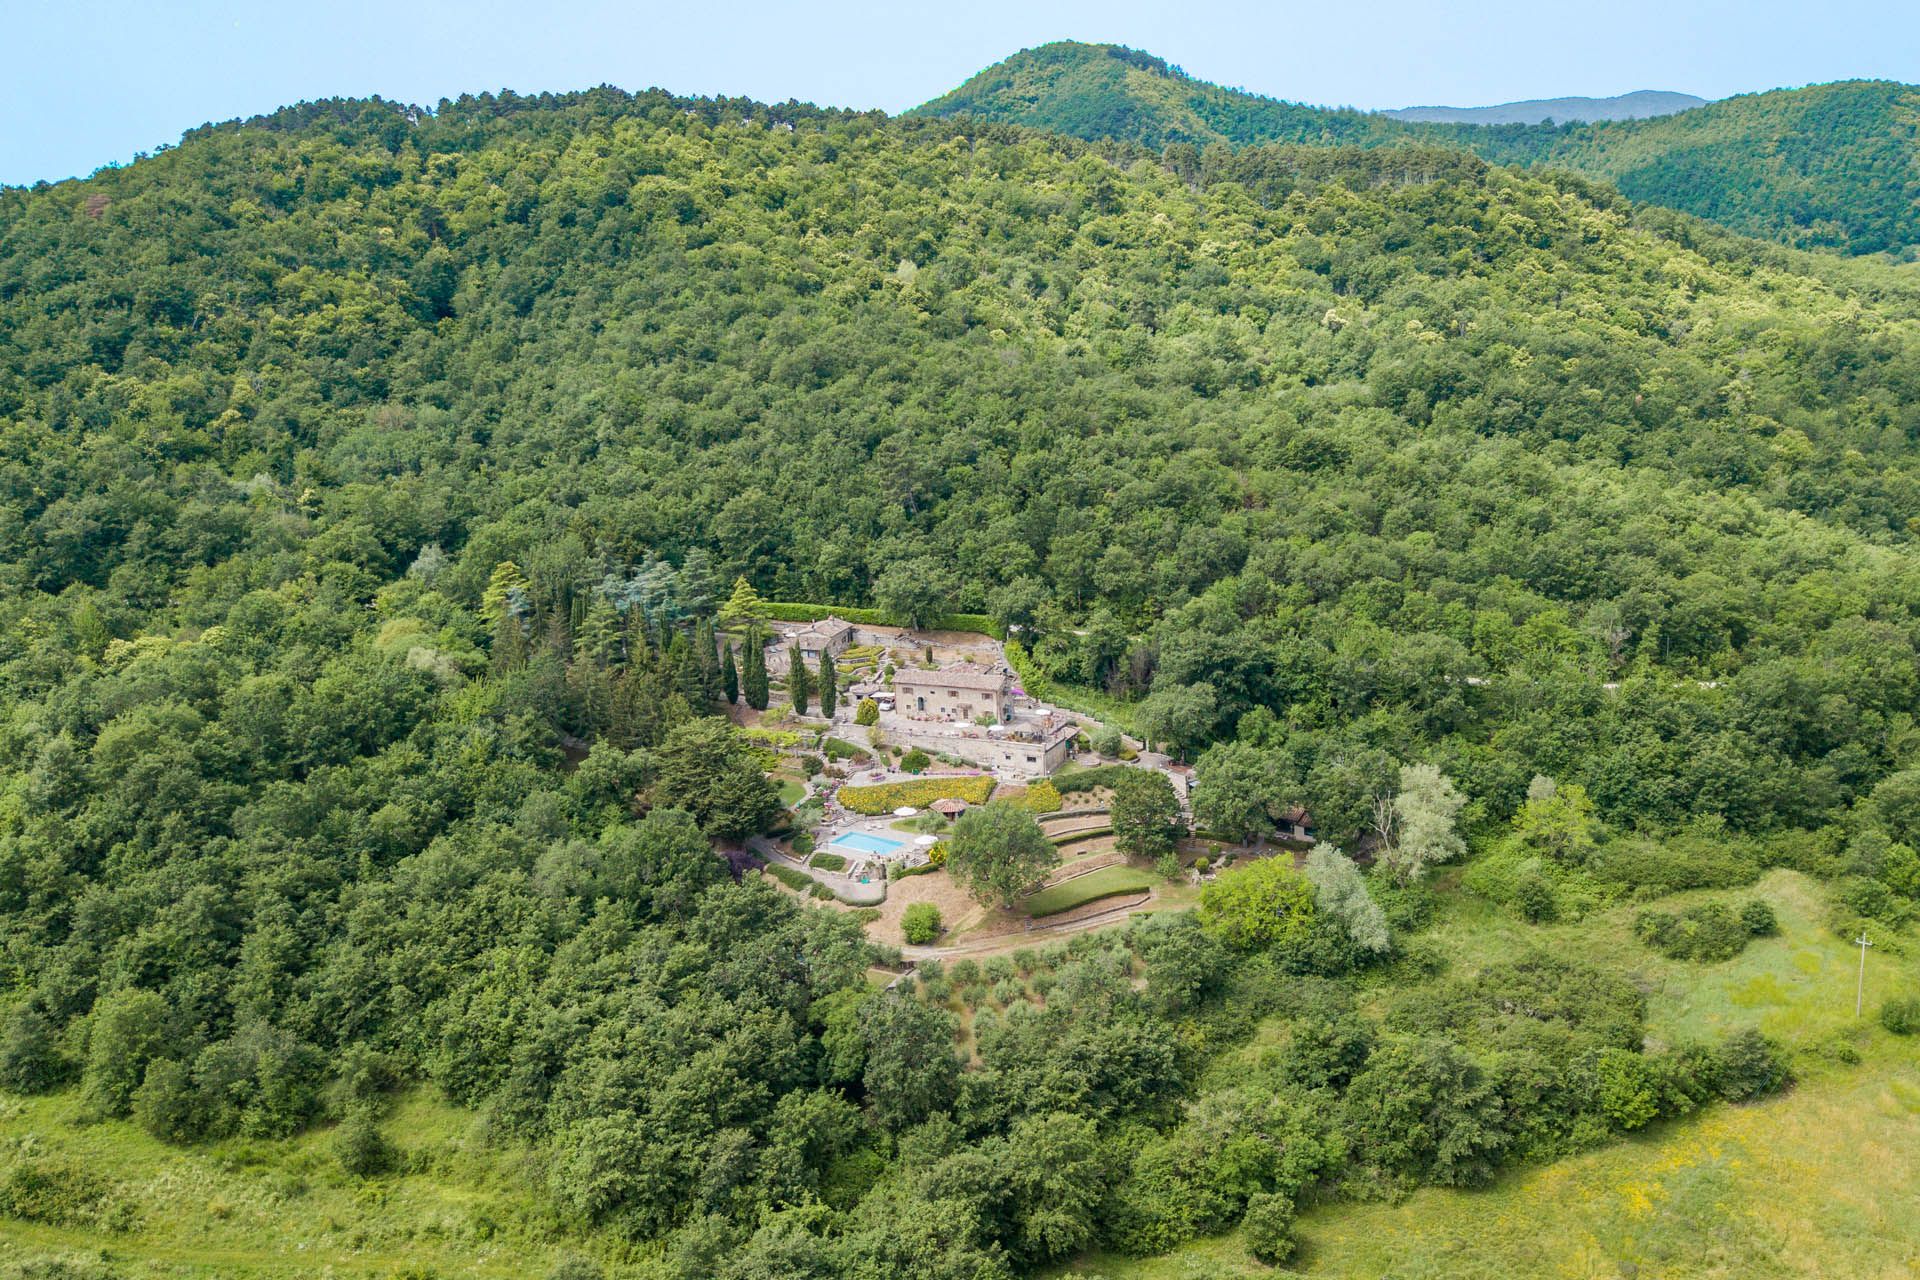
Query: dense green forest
[1833, 166]
[354, 462]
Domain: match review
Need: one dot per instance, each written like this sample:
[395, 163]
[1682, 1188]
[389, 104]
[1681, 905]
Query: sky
[93, 82]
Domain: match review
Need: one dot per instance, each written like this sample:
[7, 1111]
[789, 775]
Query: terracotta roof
[960, 677]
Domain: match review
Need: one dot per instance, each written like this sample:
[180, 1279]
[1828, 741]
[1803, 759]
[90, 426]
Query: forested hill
[1832, 166]
[1641, 104]
[353, 461]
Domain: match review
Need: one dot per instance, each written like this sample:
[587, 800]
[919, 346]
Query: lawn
[1108, 882]
[791, 792]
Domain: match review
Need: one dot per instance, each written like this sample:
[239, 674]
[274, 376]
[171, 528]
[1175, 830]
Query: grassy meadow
[1822, 1180]
[259, 1209]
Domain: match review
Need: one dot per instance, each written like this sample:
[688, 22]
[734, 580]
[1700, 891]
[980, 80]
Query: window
[1032, 760]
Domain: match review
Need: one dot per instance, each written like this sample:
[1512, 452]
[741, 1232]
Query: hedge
[1041, 797]
[798, 880]
[1108, 882]
[829, 862]
[885, 797]
[798, 611]
[1088, 779]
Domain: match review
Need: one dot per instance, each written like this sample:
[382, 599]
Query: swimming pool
[862, 842]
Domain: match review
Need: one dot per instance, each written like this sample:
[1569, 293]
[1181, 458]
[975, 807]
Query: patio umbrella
[905, 811]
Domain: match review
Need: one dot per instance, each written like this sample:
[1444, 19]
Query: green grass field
[1107, 882]
[1821, 1181]
[259, 1209]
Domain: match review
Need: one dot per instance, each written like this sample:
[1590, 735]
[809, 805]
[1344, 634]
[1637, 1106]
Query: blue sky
[91, 82]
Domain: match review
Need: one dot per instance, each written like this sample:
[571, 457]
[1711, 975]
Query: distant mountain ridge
[1832, 166]
[1642, 104]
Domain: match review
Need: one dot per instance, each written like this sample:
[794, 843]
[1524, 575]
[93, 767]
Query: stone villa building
[965, 691]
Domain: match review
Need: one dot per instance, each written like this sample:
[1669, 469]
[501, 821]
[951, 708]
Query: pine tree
[744, 605]
[829, 686]
[799, 684]
[509, 642]
[730, 675]
[755, 679]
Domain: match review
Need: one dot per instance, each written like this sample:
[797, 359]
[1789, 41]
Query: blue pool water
[864, 843]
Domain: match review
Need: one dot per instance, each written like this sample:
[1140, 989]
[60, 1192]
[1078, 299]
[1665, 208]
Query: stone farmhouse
[978, 713]
[964, 691]
[830, 635]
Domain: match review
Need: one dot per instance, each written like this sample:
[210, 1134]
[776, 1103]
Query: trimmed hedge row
[798, 881]
[1108, 882]
[1087, 779]
[885, 797]
[800, 611]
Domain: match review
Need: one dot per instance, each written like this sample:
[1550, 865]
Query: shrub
[841, 749]
[1107, 742]
[167, 1105]
[811, 764]
[920, 923]
[360, 1147]
[1090, 779]
[1533, 898]
[965, 972]
[1008, 991]
[1901, 1015]
[51, 1192]
[1042, 797]
[888, 796]
[789, 877]
[1758, 919]
[802, 844]
[1708, 932]
[916, 761]
[1268, 1225]
[30, 1060]
[1629, 1089]
[1750, 1066]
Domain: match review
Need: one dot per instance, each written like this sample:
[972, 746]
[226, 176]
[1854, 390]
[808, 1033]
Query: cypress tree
[829, 686]
[707, 656]
[755, 679]
[798, 683]
[685, 672]
[730, 675]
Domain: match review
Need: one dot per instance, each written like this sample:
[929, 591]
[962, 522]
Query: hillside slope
[356, 466]
[1831, 166]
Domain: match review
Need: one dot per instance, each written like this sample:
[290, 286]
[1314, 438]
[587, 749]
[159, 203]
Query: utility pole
[1860, 991]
